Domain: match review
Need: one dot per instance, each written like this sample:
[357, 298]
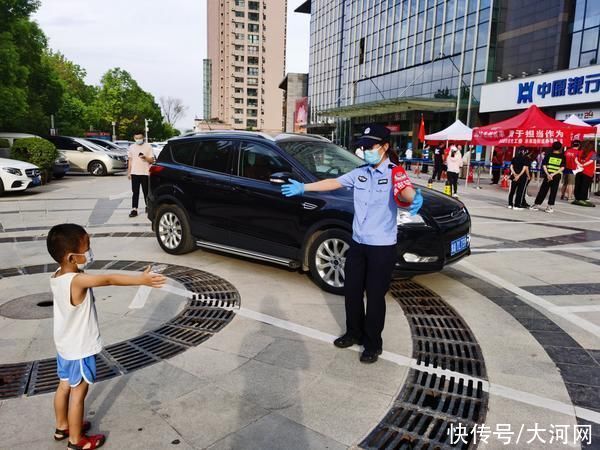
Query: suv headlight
[113, 157]
[13, 170]
[404, 218]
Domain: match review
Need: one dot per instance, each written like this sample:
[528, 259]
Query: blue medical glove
[416, 204]
[294, 188]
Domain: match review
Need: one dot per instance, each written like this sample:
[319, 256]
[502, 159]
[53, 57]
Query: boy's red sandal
[61, 435]
[88, 442]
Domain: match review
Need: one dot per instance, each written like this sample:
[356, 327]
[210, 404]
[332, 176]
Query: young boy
[76, 332]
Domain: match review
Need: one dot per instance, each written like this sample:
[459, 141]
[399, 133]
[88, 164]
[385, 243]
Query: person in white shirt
[140, 157]
[408, 155]
[454, 163]
[76, 331]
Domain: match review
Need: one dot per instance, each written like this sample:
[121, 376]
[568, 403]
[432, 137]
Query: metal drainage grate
[430, 404]
[13, 379]
[202, 316]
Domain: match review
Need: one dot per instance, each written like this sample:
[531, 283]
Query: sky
[160, 42]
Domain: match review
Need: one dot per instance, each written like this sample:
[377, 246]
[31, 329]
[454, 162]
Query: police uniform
[372, 255]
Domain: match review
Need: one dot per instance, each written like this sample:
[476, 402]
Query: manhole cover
[29, 307]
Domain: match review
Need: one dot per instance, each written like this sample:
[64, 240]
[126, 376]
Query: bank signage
[566, 87]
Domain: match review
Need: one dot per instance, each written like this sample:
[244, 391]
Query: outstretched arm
[83, 281]
[297, 188]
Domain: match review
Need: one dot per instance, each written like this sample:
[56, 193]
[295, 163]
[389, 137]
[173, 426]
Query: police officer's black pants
[368, 269]
[437, 170]
[495, 176]
[548, 185]
[517, 187]
[136, 182]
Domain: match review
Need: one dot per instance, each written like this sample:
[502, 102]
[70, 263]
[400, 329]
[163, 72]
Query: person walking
[408, 156]
[519, 174]
[438, 162]
[454, 162]
[552, 168]
[139, 159]
[583, 180]
[496, 167]
[379, 187]
[569, 174]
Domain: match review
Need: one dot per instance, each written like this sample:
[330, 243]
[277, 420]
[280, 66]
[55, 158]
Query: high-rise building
[394, 61]
[246, 47]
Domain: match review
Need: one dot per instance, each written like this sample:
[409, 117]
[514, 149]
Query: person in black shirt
[519, 174]
[438, 162]
[552, 168]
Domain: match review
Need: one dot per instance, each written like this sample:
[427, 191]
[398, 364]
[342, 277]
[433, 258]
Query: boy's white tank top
[76, 331]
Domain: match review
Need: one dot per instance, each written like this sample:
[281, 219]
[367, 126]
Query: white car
[18, 175]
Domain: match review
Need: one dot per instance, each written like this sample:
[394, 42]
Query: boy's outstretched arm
[84, 281]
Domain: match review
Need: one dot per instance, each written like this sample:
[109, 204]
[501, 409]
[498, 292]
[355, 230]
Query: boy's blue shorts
[76, 370]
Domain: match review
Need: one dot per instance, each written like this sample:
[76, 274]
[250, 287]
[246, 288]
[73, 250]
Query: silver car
[85, 156]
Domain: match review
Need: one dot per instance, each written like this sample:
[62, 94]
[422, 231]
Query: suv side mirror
[280, 177]
[79, 149]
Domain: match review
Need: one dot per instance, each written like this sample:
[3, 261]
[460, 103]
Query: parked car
[222, 191]
[109, 145]
[124, 144]
[18, 175]
[157, 148]
[60, 166]
[85, 156]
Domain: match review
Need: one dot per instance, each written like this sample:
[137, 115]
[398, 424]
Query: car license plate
[36, 181]
[459, 245]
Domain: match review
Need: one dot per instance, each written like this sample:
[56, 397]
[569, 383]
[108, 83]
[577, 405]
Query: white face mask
[89, 259]
[139, 141]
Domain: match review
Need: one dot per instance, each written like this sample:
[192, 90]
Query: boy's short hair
[64, 239]
[138, 133]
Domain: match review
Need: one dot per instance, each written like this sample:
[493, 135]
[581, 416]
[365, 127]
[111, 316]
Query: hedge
[36, 151]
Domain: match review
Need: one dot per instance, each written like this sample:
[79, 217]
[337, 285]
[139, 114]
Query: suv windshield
[322, 159]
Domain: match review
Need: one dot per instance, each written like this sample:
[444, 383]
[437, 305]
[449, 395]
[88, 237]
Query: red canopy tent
[531, 128]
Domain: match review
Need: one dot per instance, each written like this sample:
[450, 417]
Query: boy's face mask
[139, 141]
[89, 259]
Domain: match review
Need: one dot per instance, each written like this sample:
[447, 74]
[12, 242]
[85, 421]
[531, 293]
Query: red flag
[422, 130]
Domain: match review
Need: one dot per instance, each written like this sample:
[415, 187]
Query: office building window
[253, 71]
[254, 6]
[240, 3]
[251, 123]
[253, 60]
[253, 28]
[255, 17]
[253, 38]
[252, 92]
[239, 14]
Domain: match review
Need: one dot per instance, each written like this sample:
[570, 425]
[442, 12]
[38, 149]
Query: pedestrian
[379, 187]
[583, 180]
[139, 159]
[438, 162]
[539, 160]
[464, 171]
[425, 156]
[519, 174]
[454, 163]
[552, 168]
[496, 167]
[569, 174]
[408, 155]
[76, 332]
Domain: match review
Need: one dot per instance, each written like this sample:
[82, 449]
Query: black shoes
[133, 213]
[369, 357]
[346, 341]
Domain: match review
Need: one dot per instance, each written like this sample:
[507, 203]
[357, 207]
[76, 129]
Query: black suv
[222, 191]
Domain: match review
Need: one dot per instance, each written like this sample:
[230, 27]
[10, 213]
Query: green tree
[72, 117]
[29, 88]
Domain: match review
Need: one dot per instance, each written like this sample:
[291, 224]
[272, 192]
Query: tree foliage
[36, 82]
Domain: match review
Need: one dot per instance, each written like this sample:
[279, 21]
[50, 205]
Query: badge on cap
[367, 130]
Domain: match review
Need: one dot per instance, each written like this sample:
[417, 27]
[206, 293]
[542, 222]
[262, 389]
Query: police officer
[379, 187]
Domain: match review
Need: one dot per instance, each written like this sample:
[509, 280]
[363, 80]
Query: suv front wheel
[173, 230]
[327, 258]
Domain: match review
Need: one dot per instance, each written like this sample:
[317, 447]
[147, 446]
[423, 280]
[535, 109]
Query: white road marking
[140, 297]
[533, 249]
[587, 216]
[405, 361]
[121, 195]
[177, 291]
[576, 309]
[528, 222]
[531, 298]
[401, 360]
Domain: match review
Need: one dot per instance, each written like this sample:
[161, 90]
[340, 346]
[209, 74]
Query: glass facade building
[391, 61]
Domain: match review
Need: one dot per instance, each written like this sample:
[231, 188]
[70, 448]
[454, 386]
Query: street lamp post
[146, 122]
[114, 136]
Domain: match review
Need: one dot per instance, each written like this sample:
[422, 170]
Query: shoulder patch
[362, 178]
